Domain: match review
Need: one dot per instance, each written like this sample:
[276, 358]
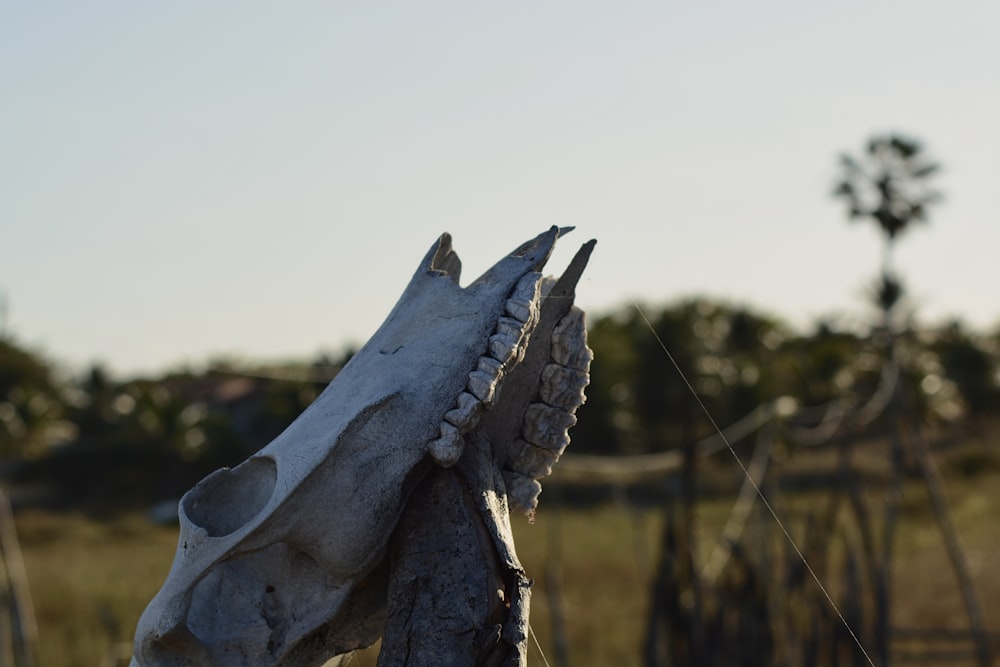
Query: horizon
[233, 361]
[195, 181]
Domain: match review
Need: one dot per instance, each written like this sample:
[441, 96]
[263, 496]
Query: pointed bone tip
[442, 259]
[529, 256]
[585, 251]
[583, 255]
[443, 245]
[566, 285]
[538, 249]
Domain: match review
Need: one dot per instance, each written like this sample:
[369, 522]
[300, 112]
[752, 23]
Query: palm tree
[889, 185]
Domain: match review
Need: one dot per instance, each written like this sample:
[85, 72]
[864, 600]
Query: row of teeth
[505, 348]
[545, 428]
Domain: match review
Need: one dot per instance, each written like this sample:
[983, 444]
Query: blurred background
[204, 209]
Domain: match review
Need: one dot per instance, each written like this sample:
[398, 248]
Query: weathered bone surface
[282, 560]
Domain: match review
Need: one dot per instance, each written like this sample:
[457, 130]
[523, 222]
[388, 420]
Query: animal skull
[281, 560]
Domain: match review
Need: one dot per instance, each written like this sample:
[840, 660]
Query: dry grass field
[90, 579]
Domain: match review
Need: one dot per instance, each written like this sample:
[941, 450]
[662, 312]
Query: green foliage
[639, 400]
[966, 361]
[31, 402]
[826, 366]
[140, 440]
[888, 184]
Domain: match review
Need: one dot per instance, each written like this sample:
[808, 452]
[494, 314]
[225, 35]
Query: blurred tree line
[101, 442]
[736, 359]
[97, 440]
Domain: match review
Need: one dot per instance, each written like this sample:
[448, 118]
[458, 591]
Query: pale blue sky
[185, 179]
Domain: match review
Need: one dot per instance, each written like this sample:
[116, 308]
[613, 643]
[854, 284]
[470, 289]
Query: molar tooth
[482, 385]
[510, 328]
[523, 301]
[485, 380]
[531, 461]
[569, 341]
[547, 427]
[465, 416]
[447, 449]
[512, 334]
[546, 285]
[522, 492]
[504, 349]
[527, 287]
[521, 310]
[563, 387]
[491, 366]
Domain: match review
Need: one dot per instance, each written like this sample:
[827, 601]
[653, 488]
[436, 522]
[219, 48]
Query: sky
[185, 180]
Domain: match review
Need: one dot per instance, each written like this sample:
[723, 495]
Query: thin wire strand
[531, 631]
[760, 494]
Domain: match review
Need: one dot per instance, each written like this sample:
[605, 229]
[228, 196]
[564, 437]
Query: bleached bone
[282, 559]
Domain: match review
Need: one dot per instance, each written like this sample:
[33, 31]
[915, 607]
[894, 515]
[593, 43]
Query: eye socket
[228, 499]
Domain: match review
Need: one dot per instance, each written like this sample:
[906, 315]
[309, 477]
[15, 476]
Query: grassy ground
[91, 579]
